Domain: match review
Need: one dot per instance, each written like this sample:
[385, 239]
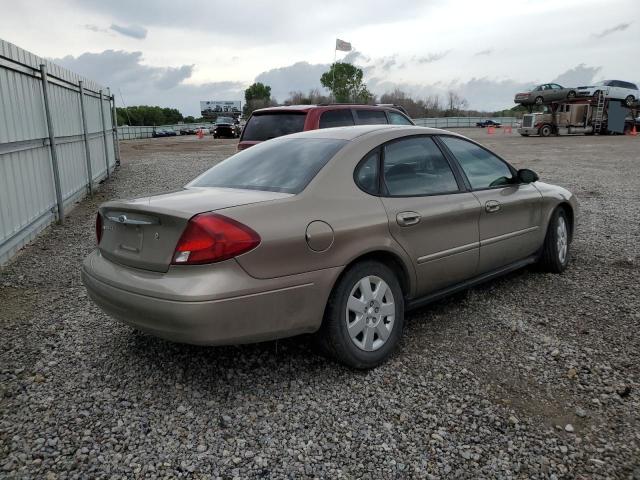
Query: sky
[174, 54]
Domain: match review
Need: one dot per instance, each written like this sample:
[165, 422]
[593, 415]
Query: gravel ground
[531, 376]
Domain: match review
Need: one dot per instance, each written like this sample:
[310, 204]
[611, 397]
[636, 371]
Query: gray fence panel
[27, 190]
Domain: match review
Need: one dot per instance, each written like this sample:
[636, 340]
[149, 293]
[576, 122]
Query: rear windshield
[282, 165]
[265, 126]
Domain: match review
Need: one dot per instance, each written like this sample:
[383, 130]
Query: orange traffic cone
[490, 130]
[634, 132]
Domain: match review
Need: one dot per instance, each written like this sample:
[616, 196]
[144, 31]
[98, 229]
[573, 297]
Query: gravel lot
[531, 376]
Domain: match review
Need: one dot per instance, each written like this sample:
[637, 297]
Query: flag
[342, 45]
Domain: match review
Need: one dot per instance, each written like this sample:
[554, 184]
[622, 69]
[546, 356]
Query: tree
[256, 96]
[455, 102]
[148, 115]
[314, 97]
[345, 83]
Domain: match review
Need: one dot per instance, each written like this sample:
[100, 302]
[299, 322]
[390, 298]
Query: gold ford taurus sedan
[334, 231]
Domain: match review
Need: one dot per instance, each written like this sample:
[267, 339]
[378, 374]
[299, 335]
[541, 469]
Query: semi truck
[596, 115]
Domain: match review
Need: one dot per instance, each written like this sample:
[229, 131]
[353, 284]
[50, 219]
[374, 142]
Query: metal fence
[462, 122]
[56, 142]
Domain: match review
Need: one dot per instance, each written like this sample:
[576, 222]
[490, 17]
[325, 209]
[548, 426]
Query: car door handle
[406, 219]
[492, 206]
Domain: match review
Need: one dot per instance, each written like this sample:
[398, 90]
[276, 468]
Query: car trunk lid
[143, 233]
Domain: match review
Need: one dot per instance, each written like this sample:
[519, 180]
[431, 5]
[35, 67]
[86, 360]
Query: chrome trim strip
[450, 251]
[506, 236]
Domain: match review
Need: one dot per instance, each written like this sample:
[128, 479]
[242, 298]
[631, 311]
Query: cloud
[133, 31]
[94, 28]
[142, 84]
[577, 76]
[432, 57]
[301, 76]
[487, 51]
[608, 31]
[264, 20]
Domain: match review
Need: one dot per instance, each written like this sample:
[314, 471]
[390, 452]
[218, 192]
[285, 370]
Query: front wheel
[555, 251]
[364, 316]
[539, 100]
[629, 100]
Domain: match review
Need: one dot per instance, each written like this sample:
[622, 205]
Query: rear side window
[283, 165]
[367, 173]
[416, 166]
[371, 117]
[265, 126]
[398, 119]
[482, 168]
[336, 118]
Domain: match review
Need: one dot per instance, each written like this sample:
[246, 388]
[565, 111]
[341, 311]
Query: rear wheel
[629, 100]
[571, 94]
[364, 316]
[539, 100]
[546, 130]
[555, 251]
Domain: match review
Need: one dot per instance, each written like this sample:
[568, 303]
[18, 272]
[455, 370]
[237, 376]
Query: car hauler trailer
[589, 116]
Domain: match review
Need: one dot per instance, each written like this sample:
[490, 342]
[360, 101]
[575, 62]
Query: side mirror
[527, 176]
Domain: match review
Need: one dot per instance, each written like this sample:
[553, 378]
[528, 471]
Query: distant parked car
[170, 132]
[187, 131]
[226, 127]
[204, 130]
[488, 123]
[159, 133]
[547, 92]
[273, 122]
[615, 89]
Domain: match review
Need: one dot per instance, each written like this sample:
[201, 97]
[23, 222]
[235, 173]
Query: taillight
[98, 228]
[210, 238]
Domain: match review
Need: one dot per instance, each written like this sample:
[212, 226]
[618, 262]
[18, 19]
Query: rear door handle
[492, 206]
[406, 219]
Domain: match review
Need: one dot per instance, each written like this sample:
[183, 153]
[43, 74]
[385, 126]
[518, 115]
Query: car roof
[330, 106]
[352, 132]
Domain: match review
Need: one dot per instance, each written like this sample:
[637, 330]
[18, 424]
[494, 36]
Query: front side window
[398, 119]
[265, 126]
[371, 117]
[416, 166]
[482, 168]
[336, 118]
[282, 165]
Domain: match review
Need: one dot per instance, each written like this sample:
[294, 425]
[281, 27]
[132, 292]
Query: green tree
[256, 96]
[345, 83]
[148, 115]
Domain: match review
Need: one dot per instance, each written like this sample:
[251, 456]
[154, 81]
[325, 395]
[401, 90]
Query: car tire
[629, 100]
[571, 94]
[546, 131]
[555, 250]
[539, 100]
[371, 316]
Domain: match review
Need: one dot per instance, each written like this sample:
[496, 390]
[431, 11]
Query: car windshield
[265, 126]
[283, 165]
[224, 120]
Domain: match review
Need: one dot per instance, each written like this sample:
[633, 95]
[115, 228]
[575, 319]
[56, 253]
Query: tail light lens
[98, 228]
[210, 238]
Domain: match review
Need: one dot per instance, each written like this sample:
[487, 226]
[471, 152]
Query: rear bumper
[240, 309]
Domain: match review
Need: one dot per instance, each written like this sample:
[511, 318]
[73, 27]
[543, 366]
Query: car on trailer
[613, 89]
[545, 93]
